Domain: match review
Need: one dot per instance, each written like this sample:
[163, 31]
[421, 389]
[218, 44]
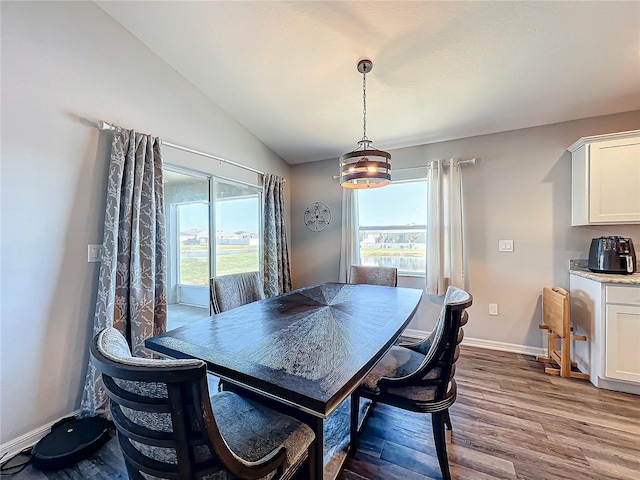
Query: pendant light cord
[364, 104]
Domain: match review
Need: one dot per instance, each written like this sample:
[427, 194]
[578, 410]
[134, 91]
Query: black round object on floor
[69, 442]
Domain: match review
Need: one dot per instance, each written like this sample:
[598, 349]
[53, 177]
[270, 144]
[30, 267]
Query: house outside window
[393, 226]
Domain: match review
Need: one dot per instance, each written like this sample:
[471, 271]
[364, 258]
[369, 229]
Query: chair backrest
[442, 347]
[385, 276]
[161, 410]
[235, 290]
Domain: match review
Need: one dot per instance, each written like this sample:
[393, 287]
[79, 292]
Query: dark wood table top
[308, 348]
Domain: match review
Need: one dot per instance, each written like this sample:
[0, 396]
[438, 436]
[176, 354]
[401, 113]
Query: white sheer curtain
[446, 261]
[350, 245]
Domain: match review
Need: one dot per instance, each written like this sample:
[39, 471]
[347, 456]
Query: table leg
[318, 428]
[354, 420]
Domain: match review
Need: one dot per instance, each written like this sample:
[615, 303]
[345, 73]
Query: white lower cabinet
[609, 314]
[622, 330]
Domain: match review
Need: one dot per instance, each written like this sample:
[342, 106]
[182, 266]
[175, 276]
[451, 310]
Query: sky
[231, 216]
[395, 204]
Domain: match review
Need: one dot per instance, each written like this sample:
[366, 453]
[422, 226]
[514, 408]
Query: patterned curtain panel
[132, 291]
[275, 259]
[446, 259]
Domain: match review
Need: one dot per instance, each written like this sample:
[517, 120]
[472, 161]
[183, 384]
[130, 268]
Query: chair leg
[447, 419]
[354, 418]
[437, 421]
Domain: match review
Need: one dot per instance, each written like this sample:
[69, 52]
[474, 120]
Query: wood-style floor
[511, 421]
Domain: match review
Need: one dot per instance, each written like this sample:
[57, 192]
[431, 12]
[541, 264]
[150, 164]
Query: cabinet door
[614, 181]
[623, 342]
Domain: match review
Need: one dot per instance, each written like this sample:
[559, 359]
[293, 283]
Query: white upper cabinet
[605, 179]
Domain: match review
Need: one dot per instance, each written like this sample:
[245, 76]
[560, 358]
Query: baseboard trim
[481, 343]
[13, 447]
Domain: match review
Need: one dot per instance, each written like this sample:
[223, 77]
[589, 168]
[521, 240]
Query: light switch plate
[493, 309]
[94, 253]
[505, 245]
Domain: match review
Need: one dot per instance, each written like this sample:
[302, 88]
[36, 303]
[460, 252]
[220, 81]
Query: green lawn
[205, 248]
[195, 271]
[390, 252]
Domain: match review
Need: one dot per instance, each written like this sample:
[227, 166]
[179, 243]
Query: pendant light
[365, 167]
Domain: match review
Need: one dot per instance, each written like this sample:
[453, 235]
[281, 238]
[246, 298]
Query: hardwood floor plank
[347, 475]
[615, 422]
[591, 446]
[523, 455]
[421, 441]
[493, 414]
[458, 472]
[371, 445]
[614, 470]
[480, 463]
[411, 459]
[373, 468]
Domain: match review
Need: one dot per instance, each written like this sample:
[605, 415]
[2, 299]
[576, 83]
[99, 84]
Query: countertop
[579, 267]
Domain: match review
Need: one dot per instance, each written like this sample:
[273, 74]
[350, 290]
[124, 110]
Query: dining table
[304, 351]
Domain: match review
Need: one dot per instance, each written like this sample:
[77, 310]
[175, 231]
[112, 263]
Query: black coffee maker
[612, 255]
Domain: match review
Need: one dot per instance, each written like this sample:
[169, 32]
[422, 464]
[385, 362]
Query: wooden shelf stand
[556, 319]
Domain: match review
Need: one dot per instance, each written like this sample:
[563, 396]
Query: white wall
[62, 61]
[520, 190]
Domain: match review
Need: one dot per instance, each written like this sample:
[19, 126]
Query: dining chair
[235, 290]
[385, 276]
[169, 427]
[419, 376]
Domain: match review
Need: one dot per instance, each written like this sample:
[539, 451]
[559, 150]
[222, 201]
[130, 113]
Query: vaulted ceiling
[442, 70]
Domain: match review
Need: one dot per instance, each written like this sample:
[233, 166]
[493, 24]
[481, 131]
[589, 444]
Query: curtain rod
[107, 126]
[470, 161]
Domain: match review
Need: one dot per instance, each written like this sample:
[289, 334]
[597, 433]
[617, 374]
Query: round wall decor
[317, 216]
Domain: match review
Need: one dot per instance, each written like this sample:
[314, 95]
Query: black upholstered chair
[419, 376]
[168, 427]
[235, 290]
[385, 276]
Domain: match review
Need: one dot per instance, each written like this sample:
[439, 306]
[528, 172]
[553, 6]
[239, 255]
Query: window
[393, 226]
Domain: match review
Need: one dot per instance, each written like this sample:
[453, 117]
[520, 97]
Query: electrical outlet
[493, 309]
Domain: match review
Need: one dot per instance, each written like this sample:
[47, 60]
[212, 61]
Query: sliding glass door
[207, 237]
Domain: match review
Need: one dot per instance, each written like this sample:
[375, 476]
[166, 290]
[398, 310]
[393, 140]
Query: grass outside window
[195, 271]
